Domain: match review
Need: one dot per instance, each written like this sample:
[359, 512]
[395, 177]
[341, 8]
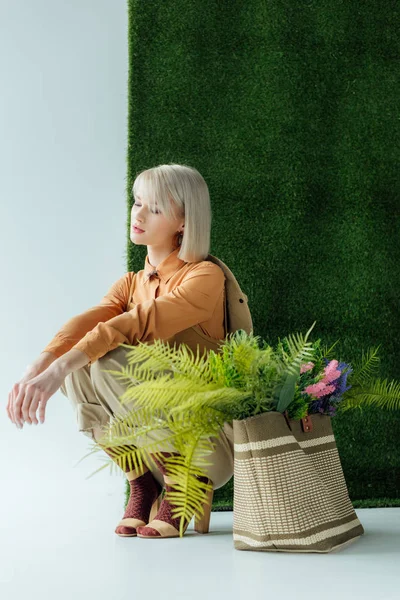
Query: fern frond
[378, 393]
[127, 372]
[108, 462]
[326, 353]
[189, 492]
[221, 399]
[299, 351]
[162, 394]
[236, 363]
[133, 437]
[196, 369]
[156, 356]
[148, 392]
[363, 370]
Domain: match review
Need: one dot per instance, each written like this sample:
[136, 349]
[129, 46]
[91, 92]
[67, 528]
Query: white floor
[57, 538]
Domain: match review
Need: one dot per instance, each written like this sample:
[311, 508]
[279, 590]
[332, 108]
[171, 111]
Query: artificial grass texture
[289, 111]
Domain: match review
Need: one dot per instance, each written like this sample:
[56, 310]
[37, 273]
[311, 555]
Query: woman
[178, 296]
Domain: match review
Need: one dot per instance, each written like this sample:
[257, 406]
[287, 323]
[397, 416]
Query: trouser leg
[100, 398]
[90, 414]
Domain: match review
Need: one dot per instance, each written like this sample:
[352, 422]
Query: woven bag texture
[290, 494]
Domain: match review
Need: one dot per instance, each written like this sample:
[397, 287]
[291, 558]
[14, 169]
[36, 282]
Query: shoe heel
[202, 524]
[155, 507]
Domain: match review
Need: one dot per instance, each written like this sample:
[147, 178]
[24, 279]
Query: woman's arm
[69, 362]
[112, 304]
[191, 302]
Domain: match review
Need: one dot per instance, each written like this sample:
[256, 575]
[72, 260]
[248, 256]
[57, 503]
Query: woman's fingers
[29, 410]
[28, 396]
[14, 413]
[42, 408]
[18, 399]
[26, 404]
[9, 408]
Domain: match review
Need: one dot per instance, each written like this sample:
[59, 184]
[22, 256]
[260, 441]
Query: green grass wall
[290, 112]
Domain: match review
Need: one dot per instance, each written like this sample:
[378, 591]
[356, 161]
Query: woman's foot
[163, 520]
[164, 524]
[165, 515]
[144, 492]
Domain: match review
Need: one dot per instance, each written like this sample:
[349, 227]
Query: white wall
[64, 71]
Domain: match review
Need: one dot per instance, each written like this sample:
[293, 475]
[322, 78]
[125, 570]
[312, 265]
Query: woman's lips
[136, 230]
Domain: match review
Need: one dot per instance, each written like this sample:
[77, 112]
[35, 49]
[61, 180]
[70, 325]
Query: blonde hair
[180, 191]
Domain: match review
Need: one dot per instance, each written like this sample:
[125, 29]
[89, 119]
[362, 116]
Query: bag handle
[306, 423]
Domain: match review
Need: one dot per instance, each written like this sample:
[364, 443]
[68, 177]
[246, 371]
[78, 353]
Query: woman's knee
[106, 363]
[99, 375]
[72, 378]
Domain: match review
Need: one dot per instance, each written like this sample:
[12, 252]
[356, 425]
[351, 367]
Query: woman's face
[157, 230]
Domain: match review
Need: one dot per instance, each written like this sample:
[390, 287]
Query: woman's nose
[138, 216]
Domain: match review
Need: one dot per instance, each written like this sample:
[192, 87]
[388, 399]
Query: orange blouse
[154, 303]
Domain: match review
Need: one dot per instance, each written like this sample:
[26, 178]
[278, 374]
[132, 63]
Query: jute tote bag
[290, 494]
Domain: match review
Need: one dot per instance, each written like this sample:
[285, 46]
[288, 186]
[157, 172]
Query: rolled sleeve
[112, 304]
[190, 303]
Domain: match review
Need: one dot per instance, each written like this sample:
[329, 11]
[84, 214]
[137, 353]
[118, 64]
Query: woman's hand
[30, 393]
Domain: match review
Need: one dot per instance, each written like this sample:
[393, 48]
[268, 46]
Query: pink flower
[331, 371]
[319, 389]
[322, 387]
[306, 367]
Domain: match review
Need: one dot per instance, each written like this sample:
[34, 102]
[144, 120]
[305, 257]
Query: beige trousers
[95, 396]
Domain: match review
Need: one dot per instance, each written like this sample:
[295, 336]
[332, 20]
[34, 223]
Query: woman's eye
[155, 212]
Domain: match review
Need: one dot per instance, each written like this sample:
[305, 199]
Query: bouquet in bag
[289, 490]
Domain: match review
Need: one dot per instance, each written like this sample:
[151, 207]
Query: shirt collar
[165, 269]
